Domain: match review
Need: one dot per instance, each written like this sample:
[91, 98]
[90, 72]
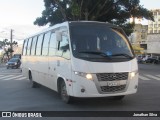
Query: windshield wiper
[123, 54]
[96, 53]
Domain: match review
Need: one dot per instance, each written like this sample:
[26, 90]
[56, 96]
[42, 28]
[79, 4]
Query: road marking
[158, 75]
[8, 76]
[153, 77]
[3, 74]
[143, 78]
[22, 78]
[12, 78]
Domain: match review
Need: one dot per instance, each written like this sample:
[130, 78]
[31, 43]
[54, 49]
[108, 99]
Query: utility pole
[11, 40]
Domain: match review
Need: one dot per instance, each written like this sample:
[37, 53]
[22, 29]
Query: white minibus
[81, 59]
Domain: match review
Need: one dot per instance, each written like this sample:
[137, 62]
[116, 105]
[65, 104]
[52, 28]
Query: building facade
[153, 37]
[153, 44]
[148, 36]
[154, 26]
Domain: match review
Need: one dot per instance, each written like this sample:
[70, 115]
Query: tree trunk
[86, 14]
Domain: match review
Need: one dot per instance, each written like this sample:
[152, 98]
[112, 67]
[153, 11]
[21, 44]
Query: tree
[8, 51]
[113, 11]
[1, 44]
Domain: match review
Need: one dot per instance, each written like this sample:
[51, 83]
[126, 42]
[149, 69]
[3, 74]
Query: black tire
[63, 93]
[33, 84]
[118, 97]
[156, 62]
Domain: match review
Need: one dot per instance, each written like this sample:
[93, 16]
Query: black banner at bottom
[80, 114]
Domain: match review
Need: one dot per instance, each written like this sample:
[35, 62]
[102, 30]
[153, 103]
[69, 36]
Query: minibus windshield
[100, 43]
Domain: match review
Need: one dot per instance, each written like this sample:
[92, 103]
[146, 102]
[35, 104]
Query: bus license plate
[112, 83]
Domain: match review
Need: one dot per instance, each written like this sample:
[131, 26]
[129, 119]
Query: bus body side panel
[63, 70]
[25, 65]
[38, 66]
[42, 70]
[52, 74]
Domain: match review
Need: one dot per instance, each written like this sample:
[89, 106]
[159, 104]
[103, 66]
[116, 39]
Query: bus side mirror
[59, 36]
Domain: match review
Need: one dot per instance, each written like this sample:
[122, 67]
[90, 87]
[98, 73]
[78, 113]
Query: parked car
[139, 59]
[154, 60]
[17, 56]
[13, 63]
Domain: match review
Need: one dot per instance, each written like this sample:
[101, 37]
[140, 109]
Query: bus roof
[67, 23]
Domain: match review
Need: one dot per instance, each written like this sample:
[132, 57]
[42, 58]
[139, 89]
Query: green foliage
[6, 42]
[113, 11]
[9, 51]
[1, 44]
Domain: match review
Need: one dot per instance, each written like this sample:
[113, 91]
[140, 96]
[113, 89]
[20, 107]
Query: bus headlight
[133, 74]
[85, 75]
[89, 76]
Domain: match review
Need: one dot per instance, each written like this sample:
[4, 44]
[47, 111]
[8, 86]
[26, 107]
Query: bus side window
[33, 45]
[25, 47]
[64, 47]
[52, 44]
[29, 46]
[46, 44]
[39, 45]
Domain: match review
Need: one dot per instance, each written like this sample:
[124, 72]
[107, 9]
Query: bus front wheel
[63, 93]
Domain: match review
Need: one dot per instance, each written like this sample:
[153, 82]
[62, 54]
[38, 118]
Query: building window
[155, 25]
[155, 31]
[151, 25]
[143, 36]
[151, 31]
[155, 13]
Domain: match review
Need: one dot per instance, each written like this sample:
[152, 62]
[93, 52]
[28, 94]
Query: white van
[81, 59]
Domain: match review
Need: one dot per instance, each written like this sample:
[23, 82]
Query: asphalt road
[16, 95]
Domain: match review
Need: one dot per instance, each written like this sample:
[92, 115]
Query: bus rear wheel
[63, 93]
[32, 83]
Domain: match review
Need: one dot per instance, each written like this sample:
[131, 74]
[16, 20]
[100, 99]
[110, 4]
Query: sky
[20, 12]
[20, 15]
[150, 4]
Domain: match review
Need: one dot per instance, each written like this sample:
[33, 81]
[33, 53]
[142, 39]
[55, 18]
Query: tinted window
[39, 45]
[94, 42]
[34, 41]
[52, 44]
[46, 43]
[13, 60]
[29, 46]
